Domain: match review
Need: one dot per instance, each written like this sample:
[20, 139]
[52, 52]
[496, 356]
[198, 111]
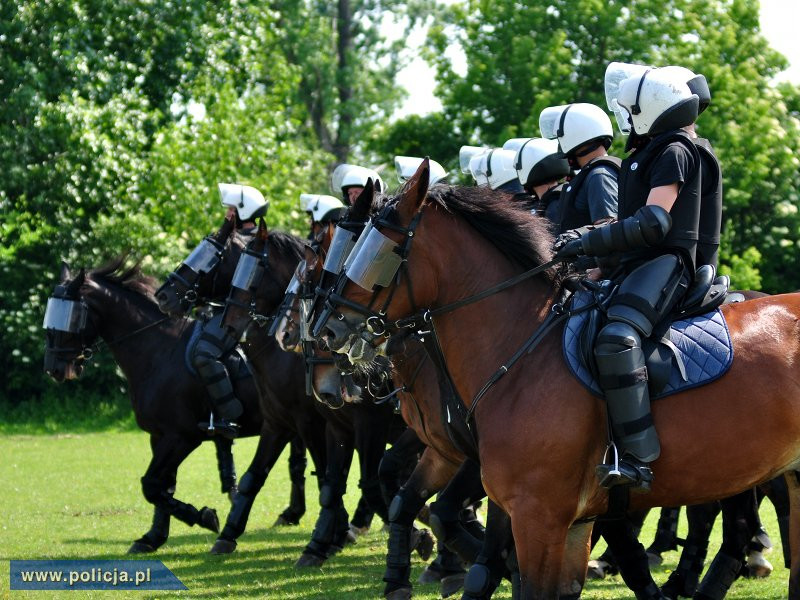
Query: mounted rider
[406, 166]
[245, 204]
[541, 169]
[584, 135]
[322, 210]
[350, 180]
[656, 240]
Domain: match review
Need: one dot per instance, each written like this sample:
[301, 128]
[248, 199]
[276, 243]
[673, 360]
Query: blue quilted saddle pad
[703, 343]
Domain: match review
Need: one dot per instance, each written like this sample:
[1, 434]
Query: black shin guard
[666, 531]
[225, 465]
[332, 526]
[720, 576]
[249, 486]
[402, 512]
[684, 579]
[159, 530]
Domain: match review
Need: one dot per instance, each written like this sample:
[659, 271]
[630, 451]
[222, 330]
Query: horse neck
[478, 338]
[120, 315]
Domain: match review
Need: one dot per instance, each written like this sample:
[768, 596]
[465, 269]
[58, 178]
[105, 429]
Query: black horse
[115, 304]
[264, 271]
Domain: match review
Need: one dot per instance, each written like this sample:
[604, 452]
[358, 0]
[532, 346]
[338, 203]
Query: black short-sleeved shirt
[673, 165]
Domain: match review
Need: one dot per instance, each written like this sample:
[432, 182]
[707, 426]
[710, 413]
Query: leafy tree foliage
[522, 57]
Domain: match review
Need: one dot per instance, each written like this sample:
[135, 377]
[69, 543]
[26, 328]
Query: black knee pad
[330, 495]
[154, 490]
[478, 581]
[405, 506]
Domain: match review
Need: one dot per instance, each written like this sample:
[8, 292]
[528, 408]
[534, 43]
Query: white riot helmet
[466, 154]
[406, 166]
[616, 73]
[495, 168]
[537, 161]
[575, 125]
[658, 100]
[322, 208]
[248, 201]
[346, 176]
[697, 84]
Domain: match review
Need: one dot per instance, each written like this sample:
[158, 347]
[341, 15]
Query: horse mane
[129, 277]
[287, 244]
[521, 237]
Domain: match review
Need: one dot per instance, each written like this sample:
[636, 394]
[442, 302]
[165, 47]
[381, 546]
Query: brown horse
[540, 433]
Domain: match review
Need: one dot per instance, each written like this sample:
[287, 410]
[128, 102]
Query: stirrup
[609, 474]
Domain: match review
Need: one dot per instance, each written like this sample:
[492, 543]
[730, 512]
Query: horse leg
[634, 566]
[225, 466]
[489, 567]
[684, 579]
[666, 534]
[270, 447]
[292, 514]
[793, 487]
[778, 493]
[170, 451]
[159, 530]
[756, 565]
[606, 563]
[332, 526]
[736, 534]
[540, 538]
[463, 490]
[576, 555]
[371, 427]
[429, 476]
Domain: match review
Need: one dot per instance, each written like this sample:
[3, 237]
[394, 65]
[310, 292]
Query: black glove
[570, 249]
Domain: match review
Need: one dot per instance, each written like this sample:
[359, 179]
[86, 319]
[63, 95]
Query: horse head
[65, 323]
[364, 296]
[264, 269]
[200, 273]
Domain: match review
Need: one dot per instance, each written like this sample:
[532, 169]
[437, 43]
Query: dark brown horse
[540, 433]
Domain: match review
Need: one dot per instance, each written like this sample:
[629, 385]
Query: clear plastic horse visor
[246, 270]
[65, 315]
[203, 258]
[376, 262]
[341, 245]
[305, 314]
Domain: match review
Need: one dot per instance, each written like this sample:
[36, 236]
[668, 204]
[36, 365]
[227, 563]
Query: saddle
[692, 347]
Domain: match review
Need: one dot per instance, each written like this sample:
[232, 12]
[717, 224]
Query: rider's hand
[565, 238]
[570, 249]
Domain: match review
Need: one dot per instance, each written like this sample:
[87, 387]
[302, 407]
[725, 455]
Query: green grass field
[78, 497]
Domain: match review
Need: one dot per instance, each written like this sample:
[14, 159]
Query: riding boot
[623, 377]
[720, 576]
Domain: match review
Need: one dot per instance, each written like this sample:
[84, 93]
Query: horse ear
[263, 232]
[362, 204]
[414, 191]
[65, 273]
[75, 284]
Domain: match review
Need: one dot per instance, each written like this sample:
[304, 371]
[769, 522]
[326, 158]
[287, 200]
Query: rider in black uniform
[584, 135]
[656, 240]
[247, 204]
[541, 168]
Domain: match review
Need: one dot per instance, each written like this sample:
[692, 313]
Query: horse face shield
[376, 262]
[205, 257]
[340, 248]
[63, 314]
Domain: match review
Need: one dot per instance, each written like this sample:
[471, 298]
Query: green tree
[522, 57]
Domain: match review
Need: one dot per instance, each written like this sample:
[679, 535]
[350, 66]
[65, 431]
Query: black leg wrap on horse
[684, 579]
[362, 517]
[630, 556]
[371, 492]
[395, 461]
[666, 531]
[721, 574]
[225, 465]
[783, 526]
[249, 486]
[454, 536]
[332, 526]
[159, 530]
[401, 514]
[297, 473]
[480, 582]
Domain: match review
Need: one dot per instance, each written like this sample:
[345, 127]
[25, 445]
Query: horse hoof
[654, 559]
[209, 519]
[308, 560]
[358, 531]
[423, 544]
[757, 566]
[140, 548]
[285, 520]
[223, 546]
[403, 593]
[430, 576]
[450, 584]
[596, 569]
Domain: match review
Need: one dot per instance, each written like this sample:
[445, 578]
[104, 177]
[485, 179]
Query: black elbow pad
[647, 227]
